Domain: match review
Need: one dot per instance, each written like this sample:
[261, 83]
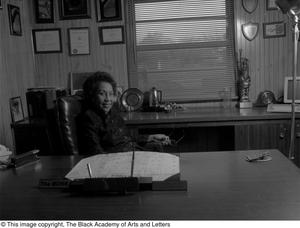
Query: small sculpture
[244, 83]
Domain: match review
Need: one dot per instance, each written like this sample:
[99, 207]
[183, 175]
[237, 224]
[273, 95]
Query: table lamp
[292, 9]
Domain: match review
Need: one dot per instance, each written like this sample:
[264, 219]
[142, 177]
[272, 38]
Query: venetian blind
[183, 47]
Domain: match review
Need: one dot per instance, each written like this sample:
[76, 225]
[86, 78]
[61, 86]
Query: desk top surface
[204, 114]
[221, 185]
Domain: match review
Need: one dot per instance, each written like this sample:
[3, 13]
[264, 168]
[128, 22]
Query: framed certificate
[111, 35]
[47, 40]
[79, 41]
[274, 29]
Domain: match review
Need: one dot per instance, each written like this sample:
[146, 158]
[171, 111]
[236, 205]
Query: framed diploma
[111, 35]
[79, 41]
[47, 40]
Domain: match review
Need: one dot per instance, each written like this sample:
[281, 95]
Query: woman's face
[105, 96]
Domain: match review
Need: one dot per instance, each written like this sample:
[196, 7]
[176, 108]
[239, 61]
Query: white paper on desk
[159, 166]
[103, 165]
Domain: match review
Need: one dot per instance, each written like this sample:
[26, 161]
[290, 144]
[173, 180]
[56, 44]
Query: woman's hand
[164, 139]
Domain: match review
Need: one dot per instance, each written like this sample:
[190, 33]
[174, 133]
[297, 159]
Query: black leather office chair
[68, 109]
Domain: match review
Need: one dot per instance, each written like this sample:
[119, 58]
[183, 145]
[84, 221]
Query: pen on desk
[132, 160]
[89, 169]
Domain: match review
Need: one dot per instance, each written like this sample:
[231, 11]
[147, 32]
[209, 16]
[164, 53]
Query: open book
[159, 166]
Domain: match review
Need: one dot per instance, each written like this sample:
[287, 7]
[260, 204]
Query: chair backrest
[68, 109]
[76, 81]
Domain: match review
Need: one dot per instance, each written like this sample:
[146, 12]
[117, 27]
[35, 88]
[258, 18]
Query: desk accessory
[121, 173]
[155, 97]
[159, 166]
[54, 183]
[259, 158]
[127, 171]
[282, 108]
[25, 158]
[132, 99]
[121, 185]
[104, 185]
[264, 98]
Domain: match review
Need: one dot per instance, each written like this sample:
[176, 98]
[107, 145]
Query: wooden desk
[205, 116]
[221, 185]
[214, 128]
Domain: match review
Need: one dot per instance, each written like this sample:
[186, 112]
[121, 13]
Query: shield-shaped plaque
[250, 30]
[249, 5]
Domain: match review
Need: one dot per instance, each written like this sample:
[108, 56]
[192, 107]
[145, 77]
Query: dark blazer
[105, 133]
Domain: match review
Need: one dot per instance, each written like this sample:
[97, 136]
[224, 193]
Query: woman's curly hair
[91, 85]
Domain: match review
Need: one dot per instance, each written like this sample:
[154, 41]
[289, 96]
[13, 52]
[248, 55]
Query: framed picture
[111, 35]
[271, 5]
[75, 9]
[274, 29]
[108, 10]
[44, 11]
[79, 41]
[47, 40]
[14, 17]
[16, 109]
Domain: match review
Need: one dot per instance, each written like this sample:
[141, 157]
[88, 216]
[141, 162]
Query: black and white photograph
[149, 113]
[14, 17]
[108, 10]
[74, 9]
[44, 11]
[16, 109]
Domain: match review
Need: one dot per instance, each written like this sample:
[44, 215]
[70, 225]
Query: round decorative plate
[132, 99]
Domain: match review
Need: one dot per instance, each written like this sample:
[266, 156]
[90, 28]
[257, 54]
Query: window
[183, 47]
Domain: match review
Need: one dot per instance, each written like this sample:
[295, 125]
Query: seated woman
[102, 129]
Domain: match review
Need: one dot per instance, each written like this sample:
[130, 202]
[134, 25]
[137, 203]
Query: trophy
[244, 82]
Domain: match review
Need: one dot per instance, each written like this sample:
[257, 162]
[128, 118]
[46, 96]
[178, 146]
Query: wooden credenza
[211, 129]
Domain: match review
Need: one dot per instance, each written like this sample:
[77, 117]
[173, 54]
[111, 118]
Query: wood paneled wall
[16, 66]
[53, 69]
[270, 59]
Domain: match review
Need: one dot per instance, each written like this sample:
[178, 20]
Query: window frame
[132, 48]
